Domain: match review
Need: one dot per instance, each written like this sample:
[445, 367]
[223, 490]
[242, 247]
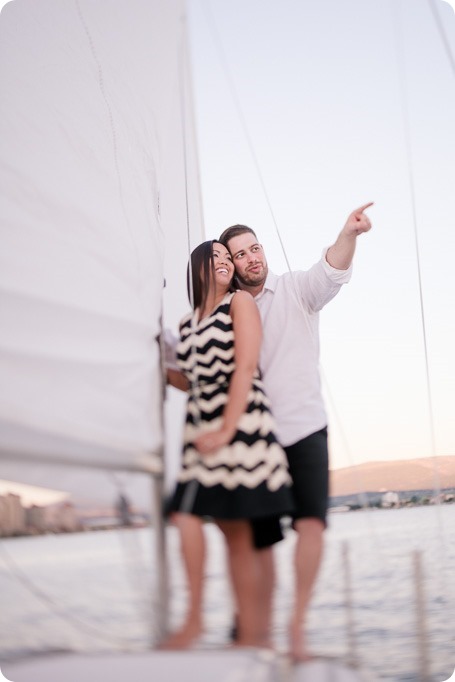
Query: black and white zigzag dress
[248, 478]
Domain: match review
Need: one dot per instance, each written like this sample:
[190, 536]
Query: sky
[345, 103]
[31, 495]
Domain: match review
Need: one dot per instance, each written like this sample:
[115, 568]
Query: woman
[233, 469]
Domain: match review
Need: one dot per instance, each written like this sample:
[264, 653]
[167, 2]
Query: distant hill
[414, 474]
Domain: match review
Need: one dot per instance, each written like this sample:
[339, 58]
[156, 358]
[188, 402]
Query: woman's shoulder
[245, 313]
[241, 300]
[242, 295]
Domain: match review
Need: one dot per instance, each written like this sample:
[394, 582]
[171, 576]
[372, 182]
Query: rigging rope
[409, 159]
[136, 568]
[387, 578]
[113, 133]
[238, 107]
[442, 34]
[189, 496]
[443, 556]
[225, 67]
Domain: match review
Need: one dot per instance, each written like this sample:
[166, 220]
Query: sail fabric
[94, 183]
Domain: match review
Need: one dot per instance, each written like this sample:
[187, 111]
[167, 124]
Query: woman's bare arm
[177, 379]
[247, 343]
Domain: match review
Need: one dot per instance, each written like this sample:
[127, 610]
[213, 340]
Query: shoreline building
[17, 519]
[12, 515]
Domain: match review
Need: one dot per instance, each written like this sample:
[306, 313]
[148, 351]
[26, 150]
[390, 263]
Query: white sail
[98, 178]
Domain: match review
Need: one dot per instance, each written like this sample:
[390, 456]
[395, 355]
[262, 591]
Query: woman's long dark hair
[203, 273]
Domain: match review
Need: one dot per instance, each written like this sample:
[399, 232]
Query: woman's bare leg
[266, 583]
[192, 547]
[243, 567]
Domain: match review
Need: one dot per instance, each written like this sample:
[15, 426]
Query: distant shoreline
[110, 523]
[392, 499]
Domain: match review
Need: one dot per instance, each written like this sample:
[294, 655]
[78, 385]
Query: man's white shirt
[289, 305]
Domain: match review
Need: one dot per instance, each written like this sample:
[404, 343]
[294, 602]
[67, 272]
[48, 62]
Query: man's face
[249, 260]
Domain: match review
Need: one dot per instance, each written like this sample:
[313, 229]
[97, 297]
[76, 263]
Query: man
[289, 306]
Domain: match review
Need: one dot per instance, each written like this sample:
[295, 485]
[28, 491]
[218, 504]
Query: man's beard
[250, 279]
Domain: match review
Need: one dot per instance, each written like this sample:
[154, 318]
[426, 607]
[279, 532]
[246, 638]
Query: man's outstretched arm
[341, 253]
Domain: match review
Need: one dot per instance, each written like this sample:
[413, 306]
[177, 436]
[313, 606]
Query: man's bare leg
[192, 547]
[308, 555]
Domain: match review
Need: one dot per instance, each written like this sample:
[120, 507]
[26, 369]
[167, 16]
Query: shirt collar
[270, 283]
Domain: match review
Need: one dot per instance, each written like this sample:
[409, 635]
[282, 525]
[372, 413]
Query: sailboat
[101, 206]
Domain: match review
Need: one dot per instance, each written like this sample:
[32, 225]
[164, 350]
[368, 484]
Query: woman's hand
[177, 379]
[212, 441]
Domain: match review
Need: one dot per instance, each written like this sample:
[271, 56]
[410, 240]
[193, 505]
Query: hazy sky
[31, 495]
[323, 87]
[329, 91]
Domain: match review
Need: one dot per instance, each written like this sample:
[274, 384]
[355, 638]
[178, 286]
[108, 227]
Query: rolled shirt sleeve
[339, 276]
[318, 285]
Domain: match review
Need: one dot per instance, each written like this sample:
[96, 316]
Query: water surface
[94, 591]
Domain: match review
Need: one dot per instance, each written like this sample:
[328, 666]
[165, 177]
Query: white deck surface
[189, 666]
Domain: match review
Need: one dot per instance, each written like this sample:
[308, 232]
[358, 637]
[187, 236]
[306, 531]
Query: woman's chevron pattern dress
[248, 478]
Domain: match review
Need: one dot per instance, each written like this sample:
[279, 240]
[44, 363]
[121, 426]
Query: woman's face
[223, 266]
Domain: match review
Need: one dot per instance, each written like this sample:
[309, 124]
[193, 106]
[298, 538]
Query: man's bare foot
[181, 639]
[297, 648]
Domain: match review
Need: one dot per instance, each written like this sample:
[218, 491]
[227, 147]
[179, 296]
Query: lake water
[91, 591]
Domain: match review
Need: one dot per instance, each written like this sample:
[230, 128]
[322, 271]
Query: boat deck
[246, 665]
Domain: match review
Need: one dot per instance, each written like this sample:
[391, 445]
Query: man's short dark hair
[234, 231]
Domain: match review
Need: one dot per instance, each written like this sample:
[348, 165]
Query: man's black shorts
[309, 468]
